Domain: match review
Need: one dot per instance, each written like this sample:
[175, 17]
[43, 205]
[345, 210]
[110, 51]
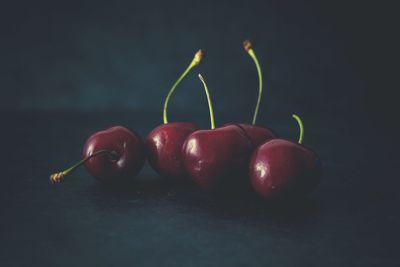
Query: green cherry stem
[209, 101]
[196, 60]
[249, 48]
[59, 176]
[297, 118]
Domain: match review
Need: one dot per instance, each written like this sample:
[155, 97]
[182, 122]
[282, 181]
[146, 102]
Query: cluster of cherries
[215, 159]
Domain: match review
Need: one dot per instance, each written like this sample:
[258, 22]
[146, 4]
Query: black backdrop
[95, 55]
[331, 62]
[328, 57]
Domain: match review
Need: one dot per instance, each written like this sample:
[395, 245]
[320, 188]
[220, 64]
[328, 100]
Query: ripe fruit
[110, 155]
[164, 148]
[280, 168]
[216, 159]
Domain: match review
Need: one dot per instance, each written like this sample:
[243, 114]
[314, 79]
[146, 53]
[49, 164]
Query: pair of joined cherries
[216, 159]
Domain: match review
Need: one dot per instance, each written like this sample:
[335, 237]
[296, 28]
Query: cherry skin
[280, 168]
[126, 155]
[164, 148]
[257, 134]
[217, 159]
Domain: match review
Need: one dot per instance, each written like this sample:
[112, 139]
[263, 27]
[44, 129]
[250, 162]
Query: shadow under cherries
[234, 203]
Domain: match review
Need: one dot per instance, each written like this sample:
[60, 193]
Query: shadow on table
[239, 202]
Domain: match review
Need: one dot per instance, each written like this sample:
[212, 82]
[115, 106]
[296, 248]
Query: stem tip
[57, 177]
[198, 56]
[247, 45]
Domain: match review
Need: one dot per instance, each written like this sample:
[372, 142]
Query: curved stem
[196, 60]
[209, 101]
[297, 118]
[59, 176]
[249, 48]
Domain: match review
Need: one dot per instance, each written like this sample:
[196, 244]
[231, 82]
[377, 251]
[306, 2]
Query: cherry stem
[249, 48]
[196, 60]
[209, 101]
[297, 118]
[59, 176]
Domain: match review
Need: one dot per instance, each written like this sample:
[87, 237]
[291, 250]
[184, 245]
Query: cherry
[110, 156]
[280, 168]
[218, 158]
[164, 143]
[164, 148]
[256, 134]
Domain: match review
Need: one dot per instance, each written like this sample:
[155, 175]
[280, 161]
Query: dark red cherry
[164, 148]
[217, 159]
[110, 156]
[280, 168]
[126, 147]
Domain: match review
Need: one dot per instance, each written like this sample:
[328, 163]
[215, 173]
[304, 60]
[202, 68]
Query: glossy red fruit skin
[164, 148]
[282, 169]
[257, 134]
[128, 148]
[217, 159]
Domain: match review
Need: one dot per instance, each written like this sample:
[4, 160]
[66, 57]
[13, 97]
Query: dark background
[70, 68]
[331, 58]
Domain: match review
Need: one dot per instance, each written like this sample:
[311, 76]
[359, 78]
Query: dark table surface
[351, 220]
